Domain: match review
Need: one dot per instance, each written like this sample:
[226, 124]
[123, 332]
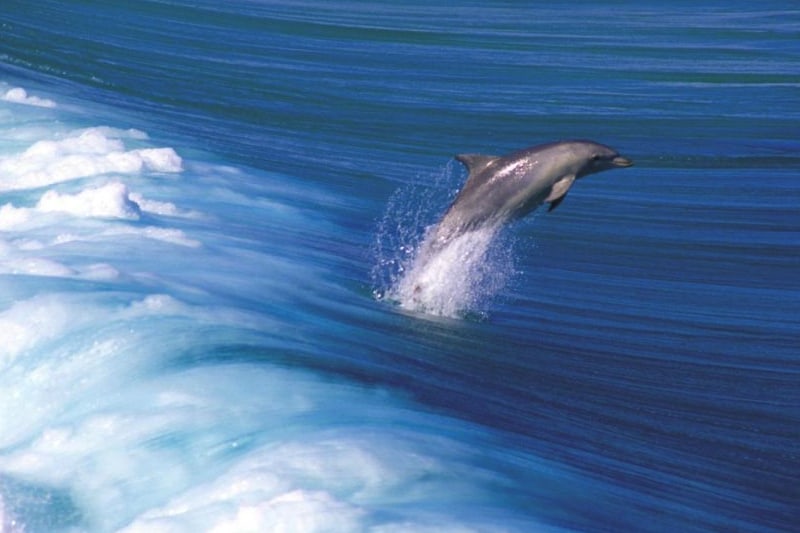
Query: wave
[118, 307]
[189, 194]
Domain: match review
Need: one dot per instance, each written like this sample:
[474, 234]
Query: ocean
[208, 211]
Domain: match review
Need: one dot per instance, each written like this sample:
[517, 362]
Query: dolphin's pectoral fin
[476, 162]
[559, 191]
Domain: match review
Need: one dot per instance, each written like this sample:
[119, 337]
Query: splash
[460, 279]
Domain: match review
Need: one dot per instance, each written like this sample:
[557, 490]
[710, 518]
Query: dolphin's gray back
[499, 189]
[493, 182]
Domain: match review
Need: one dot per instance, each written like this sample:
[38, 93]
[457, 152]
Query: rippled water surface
[207, 211]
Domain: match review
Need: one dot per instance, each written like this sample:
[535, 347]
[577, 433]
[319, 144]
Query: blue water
[205, 208]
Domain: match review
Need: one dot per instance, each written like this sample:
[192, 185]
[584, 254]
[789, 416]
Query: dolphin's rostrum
[500, 189]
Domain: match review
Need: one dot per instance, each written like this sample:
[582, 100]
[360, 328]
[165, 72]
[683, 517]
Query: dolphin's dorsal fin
[559, 191]
[476, 162]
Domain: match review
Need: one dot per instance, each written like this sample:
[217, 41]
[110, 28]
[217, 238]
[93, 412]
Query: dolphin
[505, 188]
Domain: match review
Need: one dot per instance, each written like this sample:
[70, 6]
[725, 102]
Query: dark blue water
[205, 207]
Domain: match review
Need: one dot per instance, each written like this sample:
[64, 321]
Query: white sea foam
[18, 95]
[177, 451]
[30, 322]
[157, 207]
[113, 201]
[11, 217]
[288, 512]
[83, 153]
[39, 367]
[109, 201]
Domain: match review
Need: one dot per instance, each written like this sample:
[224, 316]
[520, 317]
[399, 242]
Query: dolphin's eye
[595, 157]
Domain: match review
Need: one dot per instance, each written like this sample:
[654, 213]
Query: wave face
[213, 316]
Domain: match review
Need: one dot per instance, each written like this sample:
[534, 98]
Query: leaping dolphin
[500, 189]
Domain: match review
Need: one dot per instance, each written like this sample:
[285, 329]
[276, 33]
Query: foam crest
[113, 201]
[31, 322]
[297, 510]
[81, 154]
[289, 512]
[157, 207]
[328, 481]
[92, 141]
[18, 95]
[12, 217]
[108, 201]
[56, 349]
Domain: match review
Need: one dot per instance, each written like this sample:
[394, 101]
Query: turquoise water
[205, 208]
